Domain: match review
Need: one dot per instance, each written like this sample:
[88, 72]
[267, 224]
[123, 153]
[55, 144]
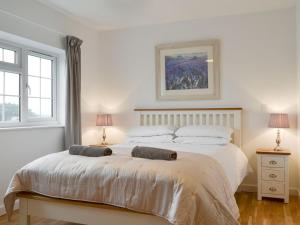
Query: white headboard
[228, 117]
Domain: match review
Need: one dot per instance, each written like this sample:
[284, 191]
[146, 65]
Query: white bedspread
[196, 189]
[231, 157]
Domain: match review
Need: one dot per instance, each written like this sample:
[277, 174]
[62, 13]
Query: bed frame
[100, 214]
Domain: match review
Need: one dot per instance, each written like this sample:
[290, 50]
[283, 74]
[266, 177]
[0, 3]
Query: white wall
[19, 147]
[258, 73]
[36, 22]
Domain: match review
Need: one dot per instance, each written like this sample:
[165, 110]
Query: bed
[166, 195]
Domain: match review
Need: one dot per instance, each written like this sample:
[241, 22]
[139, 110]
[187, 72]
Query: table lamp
[278, 120]
[104, 120]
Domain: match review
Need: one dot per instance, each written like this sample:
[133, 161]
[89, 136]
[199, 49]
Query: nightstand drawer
[272, 161]
[272, 174]
[272, 187]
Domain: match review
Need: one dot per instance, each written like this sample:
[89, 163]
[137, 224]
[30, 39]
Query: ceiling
[116, 14]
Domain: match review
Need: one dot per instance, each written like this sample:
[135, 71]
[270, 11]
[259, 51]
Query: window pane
[11, 108]
[1, 82]
[46, 108]
[33, 107]
[46, 65]
[46, 87]
[1, 54]
[1, 108]
[11, 84]
[9, 56]
[34, 65]
[34, 86]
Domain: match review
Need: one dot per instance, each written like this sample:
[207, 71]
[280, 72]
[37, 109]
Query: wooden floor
[268, 211]
[253, 212]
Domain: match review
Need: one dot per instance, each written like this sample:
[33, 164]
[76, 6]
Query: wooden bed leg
[24, 218]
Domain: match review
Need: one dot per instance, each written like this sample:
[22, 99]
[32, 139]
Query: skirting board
[3, 211]
[253, 188]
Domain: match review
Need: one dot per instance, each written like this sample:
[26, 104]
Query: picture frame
[188, 70]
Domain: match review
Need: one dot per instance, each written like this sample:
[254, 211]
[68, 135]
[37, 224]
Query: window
[9, 96]
[39, 85]
[7, 55]
[27, 86]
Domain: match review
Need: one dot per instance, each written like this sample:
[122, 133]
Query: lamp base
[278, 140]
[103, 137]
[278, 149]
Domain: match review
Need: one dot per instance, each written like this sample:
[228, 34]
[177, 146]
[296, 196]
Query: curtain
[73, 110]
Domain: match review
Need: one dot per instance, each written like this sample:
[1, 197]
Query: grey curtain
[73, 111]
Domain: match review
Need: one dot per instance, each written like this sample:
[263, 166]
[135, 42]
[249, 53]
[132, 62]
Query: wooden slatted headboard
[178, 117]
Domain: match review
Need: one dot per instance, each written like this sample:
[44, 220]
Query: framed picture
[188, 70]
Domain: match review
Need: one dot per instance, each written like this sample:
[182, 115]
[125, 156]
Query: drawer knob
[272, 162]
[272, 189]
[272, 175]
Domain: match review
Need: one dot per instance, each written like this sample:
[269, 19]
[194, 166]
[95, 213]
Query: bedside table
[272, 173]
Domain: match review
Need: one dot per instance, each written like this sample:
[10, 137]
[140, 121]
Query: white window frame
[21, 67]
[18, 50]
[49, 56]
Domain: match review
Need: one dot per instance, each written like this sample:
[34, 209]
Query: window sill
[31, 127]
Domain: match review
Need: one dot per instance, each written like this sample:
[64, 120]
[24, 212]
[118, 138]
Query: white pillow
[146, 131]
[202, 140]
[150, 139]
[204, 131]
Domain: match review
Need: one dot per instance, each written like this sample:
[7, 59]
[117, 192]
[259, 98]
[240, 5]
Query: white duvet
[231, 157]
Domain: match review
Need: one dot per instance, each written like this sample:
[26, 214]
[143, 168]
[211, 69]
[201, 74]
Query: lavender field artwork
[186, 71]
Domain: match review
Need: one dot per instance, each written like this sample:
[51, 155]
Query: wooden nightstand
[272, 173]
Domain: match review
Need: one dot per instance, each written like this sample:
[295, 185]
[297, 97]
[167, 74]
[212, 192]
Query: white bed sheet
[231, 157]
